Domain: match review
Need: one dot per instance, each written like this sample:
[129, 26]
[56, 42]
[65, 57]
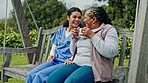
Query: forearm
[52, 49]
[72, 45]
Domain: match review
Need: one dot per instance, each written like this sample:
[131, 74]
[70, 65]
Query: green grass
[21, 59]
[17, 59]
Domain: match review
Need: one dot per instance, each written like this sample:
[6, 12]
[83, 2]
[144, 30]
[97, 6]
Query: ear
[94, 20]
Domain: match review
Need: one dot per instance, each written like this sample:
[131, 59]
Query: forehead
[76, 13]
[87, 13]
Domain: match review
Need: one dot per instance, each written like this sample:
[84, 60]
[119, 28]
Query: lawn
[17, 59]
[21, 59]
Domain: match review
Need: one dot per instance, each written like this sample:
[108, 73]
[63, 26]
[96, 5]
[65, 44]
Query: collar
[99, 28]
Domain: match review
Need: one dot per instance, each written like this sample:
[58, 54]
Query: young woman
[96, 46]
[60, 51]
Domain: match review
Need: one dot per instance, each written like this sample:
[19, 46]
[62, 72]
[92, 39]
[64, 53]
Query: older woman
[96, 46]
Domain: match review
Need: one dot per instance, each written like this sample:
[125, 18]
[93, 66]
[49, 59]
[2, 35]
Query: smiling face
[88, 20]
[74, 19]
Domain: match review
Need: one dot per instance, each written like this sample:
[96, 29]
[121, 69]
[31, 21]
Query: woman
[96, 46]
[60, 49]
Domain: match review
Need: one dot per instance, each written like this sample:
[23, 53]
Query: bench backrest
[43, 44]
[127, 35]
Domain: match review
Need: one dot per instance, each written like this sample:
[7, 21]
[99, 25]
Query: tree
[121, 12]
[48, 13]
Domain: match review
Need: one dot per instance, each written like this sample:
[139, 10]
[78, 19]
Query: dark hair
[69, 12]
[100, 15]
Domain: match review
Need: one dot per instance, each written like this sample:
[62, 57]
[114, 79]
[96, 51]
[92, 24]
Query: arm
[109, 46]
[72, 43]
[51, 57]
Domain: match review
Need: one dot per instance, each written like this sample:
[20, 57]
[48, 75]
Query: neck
[69, 29]
[97, 25]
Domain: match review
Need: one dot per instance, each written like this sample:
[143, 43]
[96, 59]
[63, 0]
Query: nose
[77, 18]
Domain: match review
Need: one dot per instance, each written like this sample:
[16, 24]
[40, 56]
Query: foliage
[14, 39]
[2, 24]
[129, 43]
[121, 12]
[48, 13]
[33, 35]
[12, 22]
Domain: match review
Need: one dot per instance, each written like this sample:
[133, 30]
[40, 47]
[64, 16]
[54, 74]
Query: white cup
[80, 31]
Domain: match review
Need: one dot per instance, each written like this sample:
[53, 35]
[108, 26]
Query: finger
[78, 28]
[64, 63]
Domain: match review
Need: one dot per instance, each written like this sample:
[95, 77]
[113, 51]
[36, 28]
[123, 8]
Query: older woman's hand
[87, 32]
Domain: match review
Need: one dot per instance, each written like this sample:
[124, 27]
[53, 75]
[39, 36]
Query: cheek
[87, 22]
[70, 22]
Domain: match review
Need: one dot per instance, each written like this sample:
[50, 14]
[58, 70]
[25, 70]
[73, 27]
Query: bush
[14, 39]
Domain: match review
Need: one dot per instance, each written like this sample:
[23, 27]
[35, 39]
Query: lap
[49, 69]
[61, 73]
[83, 74]
[43, 67]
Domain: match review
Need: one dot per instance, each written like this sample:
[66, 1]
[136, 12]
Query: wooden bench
[120, 74]
[40, 50]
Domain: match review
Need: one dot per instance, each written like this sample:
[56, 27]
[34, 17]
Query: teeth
[75, 22]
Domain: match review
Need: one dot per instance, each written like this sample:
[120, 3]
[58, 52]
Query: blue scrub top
[62, 50]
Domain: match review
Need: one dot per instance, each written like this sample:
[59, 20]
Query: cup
[80, 31]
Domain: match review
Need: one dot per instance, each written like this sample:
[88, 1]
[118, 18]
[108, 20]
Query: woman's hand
[50, 58]
[75, 32]
[68, 61]
[87, 32]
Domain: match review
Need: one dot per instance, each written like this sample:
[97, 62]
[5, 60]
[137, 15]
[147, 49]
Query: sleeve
[72, 45]
[54, 38]
[52, 49]
[109, 46]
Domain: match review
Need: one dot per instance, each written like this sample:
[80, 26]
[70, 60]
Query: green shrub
[14, 39]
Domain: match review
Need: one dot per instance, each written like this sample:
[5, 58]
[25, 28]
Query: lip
[76, 23]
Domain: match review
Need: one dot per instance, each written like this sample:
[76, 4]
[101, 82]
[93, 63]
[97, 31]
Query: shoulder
[61, 29]
[109, 27]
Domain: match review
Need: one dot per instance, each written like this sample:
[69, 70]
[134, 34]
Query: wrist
[91, 35]
[69, 59]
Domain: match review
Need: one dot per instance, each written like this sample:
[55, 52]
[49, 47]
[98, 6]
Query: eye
[79, 17]
[74, 16]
